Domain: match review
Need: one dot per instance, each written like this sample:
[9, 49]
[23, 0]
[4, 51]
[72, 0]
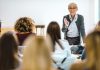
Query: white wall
[99, 8]
[44, 11]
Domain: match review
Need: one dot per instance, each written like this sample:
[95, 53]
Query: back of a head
[36, 54]
[53, 30]
[24, 24]
[98, 26]
[92, 45]
[8, 49]
[92, 42]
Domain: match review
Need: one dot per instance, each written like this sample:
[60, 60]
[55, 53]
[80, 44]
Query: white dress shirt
[73, 30]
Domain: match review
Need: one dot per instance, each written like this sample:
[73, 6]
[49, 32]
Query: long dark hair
[8, 49]
[53, 30]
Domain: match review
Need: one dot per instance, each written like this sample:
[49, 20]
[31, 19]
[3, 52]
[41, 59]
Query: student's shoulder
[77, 66]
[64, 43]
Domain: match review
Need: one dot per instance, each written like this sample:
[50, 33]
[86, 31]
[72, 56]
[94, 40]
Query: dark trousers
[73, 40]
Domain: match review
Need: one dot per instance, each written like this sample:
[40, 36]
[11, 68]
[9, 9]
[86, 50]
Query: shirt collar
[75, 18]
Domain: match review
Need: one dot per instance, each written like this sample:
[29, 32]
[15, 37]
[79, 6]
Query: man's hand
[66, 22]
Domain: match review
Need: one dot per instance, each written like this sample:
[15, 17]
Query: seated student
[24, 27]
[9, 52]
[0, 27]
[37, 54]
[92, 45]
[61, 53]
[84, 52]
[98, 26]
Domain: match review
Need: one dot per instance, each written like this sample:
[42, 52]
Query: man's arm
[64, 28]
[82, 28]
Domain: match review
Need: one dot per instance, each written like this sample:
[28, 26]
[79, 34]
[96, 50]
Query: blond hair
[98, 26]
[93, 50]
[36, 47]
[92, 43]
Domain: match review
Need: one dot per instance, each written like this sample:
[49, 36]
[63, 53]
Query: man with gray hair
[73, 26]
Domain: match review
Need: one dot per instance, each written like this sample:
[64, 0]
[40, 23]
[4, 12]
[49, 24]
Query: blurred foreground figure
[37, 54]
[92, 45]
[9, 52]
[98, 26]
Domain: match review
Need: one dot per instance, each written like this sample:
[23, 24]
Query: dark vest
[79, 24]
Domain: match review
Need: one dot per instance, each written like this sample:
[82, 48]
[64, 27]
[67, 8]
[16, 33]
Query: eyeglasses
[72, 8]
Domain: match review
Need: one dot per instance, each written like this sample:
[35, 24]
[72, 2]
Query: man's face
[72, 9]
